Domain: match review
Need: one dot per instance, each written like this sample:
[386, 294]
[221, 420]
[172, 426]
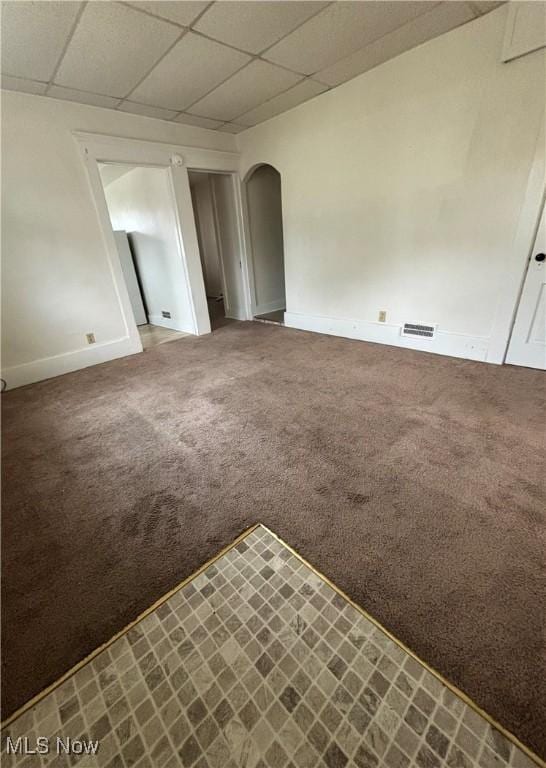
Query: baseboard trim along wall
[270, 306]
[444, 343]
[237, 313]
[48, 367]
[168, 322]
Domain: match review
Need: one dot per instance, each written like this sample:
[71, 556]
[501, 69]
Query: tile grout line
[482, 747]
[83, 662]
[451, 686]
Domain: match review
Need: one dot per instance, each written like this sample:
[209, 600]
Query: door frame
[98, 148]
[244, 312]
[528, 266]
[522, 245]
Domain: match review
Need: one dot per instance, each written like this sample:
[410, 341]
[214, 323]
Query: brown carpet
[415, 482]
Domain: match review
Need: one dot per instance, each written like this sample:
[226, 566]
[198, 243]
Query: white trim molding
[444, 343]
[522, 244]
[270, 306]
[48, 367]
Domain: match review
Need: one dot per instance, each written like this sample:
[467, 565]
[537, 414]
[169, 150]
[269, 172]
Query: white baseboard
[48, 367]
[270, 306]
[169, 323]
[236, 313]
[444, 343]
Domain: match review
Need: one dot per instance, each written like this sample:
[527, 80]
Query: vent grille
[422, 330]
[165, 314]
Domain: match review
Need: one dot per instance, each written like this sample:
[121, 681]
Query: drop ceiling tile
[69, 94]
[34, 36]
[339, 30]
[296, 95]
[232, 128]
[146, 111]
[200, 122]
[112, 49]
[190, 70]
[254, 26]
[247, 89]
[180, 12]
[20, 84]
[438, 20]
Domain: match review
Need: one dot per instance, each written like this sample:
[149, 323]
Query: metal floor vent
[419, 329]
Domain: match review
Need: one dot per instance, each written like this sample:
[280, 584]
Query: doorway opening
[264, 205]
[214, 212]
[141, 209]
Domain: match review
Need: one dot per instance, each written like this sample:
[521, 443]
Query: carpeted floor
[415, 482]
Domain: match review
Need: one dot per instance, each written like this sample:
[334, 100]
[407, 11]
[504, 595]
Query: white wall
[203, 206]
[402, 191]
[141, 202]
[57, 284]
[266, 236]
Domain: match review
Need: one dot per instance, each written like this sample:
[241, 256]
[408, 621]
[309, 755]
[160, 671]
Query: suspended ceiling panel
[218, 65]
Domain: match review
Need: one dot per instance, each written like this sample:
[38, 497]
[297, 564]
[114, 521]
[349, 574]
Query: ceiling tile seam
[84, 103]
[89, 93]
[285, 111]
[204, 95]
[242, 114]
[433, 6]
[25, 79]
[221, 42]
[253, 56]
[251, 53]
[412, 48]
[201, 14]
[164, 18]
[150, 117]
[182, 34]
[143, 104]
[153, 15]
[65, 46]
[184, 114]
[475, 8]
[301, 24]
[259, 55]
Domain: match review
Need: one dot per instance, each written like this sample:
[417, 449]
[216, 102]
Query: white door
[129, 274]
[528, 341]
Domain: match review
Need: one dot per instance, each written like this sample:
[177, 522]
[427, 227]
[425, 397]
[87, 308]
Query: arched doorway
[263, 189]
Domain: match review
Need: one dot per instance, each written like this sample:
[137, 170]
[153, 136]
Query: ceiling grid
[224, 65]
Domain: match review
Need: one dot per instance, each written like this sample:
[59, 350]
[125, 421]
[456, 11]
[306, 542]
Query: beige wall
[57, 283]
[402, 191]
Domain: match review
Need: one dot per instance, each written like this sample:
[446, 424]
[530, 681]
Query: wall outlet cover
[90, 338]
[382, 316]
[164, 313]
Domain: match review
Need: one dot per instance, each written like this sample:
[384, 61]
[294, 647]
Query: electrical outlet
[164, 313]
[382, 316]
[90, 338]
